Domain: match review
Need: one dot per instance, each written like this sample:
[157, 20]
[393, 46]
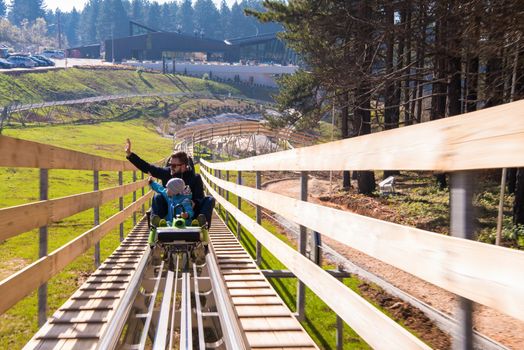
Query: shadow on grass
[323, 342]
[179, 83]
[144, 80]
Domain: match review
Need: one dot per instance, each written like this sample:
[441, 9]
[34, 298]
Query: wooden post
[42, 250]
[121, 203]
[301, 289]
[239, 205]
[259, 219]
[461, 205]
[96, 218]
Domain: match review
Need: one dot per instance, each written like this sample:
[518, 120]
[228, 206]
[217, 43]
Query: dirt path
[502, 328]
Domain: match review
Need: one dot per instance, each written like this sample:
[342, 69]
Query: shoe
[155, 220]
[202, 221]
[162, 223]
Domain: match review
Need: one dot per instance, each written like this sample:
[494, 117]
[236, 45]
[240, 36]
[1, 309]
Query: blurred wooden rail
[22, 218]
[206, 132]
[489, 138]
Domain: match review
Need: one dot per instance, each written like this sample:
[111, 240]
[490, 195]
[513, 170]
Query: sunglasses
[176, 164]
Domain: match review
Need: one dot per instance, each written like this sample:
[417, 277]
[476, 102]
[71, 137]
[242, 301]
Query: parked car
[5, 64]
[38, 62]
[45, 59]
[53, 54]
[21, 61]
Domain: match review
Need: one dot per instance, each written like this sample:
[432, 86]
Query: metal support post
[461, 206]
[42, 250]
[301, 288]
[227, 198]
[96, 218]
[143, 193]
[121, 203]
[134, 199]
[239, 205]
[258, 218]
[220, 190]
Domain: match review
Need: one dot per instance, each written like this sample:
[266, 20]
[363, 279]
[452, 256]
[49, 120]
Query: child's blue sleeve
[188, 208]
[155, 186]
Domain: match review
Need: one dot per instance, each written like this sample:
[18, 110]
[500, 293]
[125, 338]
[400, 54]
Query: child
[177, 197]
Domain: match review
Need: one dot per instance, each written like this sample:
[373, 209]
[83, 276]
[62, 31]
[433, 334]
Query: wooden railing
[204, 132]
[22, 218]
[489, 275]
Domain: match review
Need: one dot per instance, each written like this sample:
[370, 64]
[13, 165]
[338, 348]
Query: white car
[53, 54]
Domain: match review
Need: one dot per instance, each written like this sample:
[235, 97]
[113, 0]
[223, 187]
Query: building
[264, 48]
[88, 51]
[158, 46]
[155, 46]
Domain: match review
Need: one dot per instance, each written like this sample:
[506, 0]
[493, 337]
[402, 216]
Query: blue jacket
[172, 202]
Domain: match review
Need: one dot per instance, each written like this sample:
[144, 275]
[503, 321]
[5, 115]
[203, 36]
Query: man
[179, 167]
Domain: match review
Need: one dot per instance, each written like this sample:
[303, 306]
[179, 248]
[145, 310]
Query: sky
[67, 5]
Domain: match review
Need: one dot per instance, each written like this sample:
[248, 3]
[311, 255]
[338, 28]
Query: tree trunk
[511, 180]
[518, 206]
[344, 132]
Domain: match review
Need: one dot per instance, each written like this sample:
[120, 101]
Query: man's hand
[184, 215]
[128, 147]
[149, 180]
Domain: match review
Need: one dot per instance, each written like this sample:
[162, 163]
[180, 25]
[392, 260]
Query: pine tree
[206, 18]
[225, 20]
[153, 16]
[26, 9]
[71, 25]
[88, 23]
[185, 16]
[137, 11]
[3, 8]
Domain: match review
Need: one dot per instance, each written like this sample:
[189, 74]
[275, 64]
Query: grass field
[76, 83]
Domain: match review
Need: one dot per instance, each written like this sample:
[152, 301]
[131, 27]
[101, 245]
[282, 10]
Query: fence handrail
[30, 154]
[450, 144]
[22, 218]
[23, 282]
[360, 315]
[490, 275]
[236, 130]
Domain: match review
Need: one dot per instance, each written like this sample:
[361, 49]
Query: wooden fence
[22, 218]
[487, 274]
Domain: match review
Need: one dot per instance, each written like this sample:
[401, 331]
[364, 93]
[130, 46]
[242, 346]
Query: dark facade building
[158, 45]
[88, 51]
[264, 48]
[155, 46]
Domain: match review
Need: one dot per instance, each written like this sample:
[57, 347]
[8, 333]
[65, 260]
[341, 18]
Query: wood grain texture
[489, 138]
[23, 282]
[363, 317]
[29, 154]
[22, 218]
[487, 274]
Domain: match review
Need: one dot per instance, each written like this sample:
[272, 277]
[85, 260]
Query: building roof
[250, 40]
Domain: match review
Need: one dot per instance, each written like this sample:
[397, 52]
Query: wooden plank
[363, 317]
[474, 270]
[269, 323]
[23, 282]
[447, 144]
[22, 218]
[29, 154]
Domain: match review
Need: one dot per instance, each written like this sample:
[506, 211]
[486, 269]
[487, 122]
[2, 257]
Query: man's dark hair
[181, 156]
